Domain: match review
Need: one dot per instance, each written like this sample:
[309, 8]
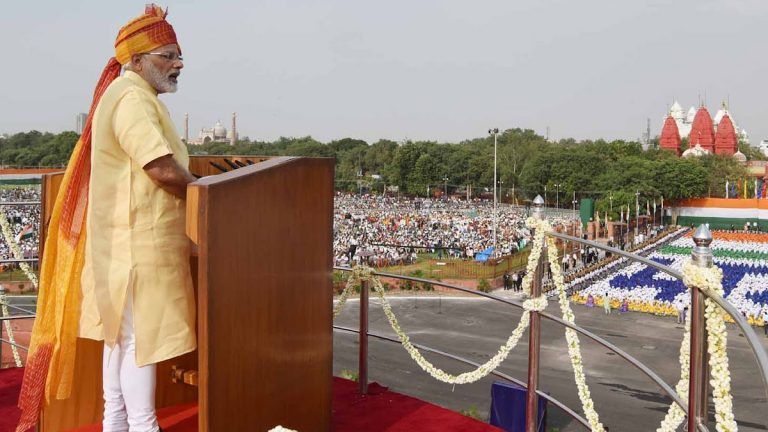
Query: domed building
[670, 135]
[699, 127]
[217, 133]
[695, 151]
[726, 141]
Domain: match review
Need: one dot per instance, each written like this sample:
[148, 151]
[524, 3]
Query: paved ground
[475, 328]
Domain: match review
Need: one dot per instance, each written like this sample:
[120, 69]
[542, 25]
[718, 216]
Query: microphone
[218, 167]
[231, 164]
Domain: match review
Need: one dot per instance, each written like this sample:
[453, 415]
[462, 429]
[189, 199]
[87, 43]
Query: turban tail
[51, 360]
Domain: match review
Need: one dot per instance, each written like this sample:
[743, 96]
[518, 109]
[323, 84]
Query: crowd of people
[24, 220]
[395, 230]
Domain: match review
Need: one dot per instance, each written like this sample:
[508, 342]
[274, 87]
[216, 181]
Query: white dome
[219, 130]
[691, 115]
[695, 151]
[676, 111]
[739, 156]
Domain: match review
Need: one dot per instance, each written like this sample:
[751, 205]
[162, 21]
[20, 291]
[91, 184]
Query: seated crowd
[395, 229]
[22, 218]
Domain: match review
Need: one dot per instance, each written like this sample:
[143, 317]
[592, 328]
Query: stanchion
[699, 370]
[534, 336]
[363, 336]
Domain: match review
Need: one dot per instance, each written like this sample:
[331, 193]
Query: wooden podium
[264, 302]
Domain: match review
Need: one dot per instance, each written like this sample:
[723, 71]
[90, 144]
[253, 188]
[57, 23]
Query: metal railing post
[362, 377]
[698, 388]
[534, 335]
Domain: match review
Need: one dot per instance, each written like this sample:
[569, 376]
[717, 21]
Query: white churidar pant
[129, 390]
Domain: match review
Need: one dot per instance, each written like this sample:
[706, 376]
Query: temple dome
[702, 130]
[676, 111]
[670, 135]
[691, 115]
[739, 156]
[726, 140]
[696, 151]
[219, 130]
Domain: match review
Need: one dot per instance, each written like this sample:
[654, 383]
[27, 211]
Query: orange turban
[143, 34]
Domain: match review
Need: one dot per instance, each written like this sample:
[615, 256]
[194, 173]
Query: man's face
[160, 68]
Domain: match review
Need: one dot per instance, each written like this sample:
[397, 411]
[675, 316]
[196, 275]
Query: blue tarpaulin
[484, 255]
[508, 407]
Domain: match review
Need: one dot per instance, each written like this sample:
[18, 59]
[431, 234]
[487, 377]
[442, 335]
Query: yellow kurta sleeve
[138, 130]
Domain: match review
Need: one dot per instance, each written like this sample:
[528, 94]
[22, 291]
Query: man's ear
[136, 62]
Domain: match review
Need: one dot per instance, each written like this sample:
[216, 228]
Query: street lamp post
[637, 212]
[574, 220]
[545, 195]
[610, 198]
[557, 195]
[495, 132]
[445, 179]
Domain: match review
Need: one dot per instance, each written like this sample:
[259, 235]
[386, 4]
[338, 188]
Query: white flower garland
[709, 280]
[14, 247]
[437, 373]
[571, 337]
[675, 414]
[9, 330]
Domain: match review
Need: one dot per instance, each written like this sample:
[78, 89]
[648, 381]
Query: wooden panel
[85, 405]
[265, 298]
[201, 165]
[49, 189]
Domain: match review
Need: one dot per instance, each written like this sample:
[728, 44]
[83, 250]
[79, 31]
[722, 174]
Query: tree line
[610, 171]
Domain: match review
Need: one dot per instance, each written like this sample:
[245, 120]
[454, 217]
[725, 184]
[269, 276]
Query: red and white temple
[704, 136]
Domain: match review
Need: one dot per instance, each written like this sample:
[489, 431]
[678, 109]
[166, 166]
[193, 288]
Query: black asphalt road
[475, 328]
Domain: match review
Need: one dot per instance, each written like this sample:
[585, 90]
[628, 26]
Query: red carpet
[10, 386]
[379, 411]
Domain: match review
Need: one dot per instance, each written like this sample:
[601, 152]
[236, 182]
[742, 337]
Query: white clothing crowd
[21, 217]
[394, 230]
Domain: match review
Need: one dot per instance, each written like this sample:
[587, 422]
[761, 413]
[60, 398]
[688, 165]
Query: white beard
[160, 82]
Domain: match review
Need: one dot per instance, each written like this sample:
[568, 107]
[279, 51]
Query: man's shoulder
[122, 87]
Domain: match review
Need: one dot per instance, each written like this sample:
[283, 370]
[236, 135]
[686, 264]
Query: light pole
[574, 220]
[637, 212]
[610, 198]
[557, 195]
[445, 179]
[495, 132]
[545, 195]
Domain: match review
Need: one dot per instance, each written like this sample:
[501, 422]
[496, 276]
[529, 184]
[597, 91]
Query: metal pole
[495, 142]
[534, 336]
[363, 336]
[698, 387]
[637, 212]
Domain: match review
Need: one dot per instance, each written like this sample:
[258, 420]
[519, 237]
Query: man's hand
[169, 175]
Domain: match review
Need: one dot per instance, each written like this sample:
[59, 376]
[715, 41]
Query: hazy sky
[419, 69]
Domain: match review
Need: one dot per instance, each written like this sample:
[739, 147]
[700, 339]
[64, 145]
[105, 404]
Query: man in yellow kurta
[136, 282]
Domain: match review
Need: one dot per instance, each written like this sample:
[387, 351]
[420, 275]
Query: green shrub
[484, 286]
[471, 412]
[349, 374]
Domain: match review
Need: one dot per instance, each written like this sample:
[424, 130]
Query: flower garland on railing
[676, 414]
[572, 338]
[439, 374]
[709, 281]
[359, 274]
[9, 330]
[363, 273]
[706, 279]
[5, 227]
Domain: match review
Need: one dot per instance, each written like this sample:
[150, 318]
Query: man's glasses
[167, 56]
